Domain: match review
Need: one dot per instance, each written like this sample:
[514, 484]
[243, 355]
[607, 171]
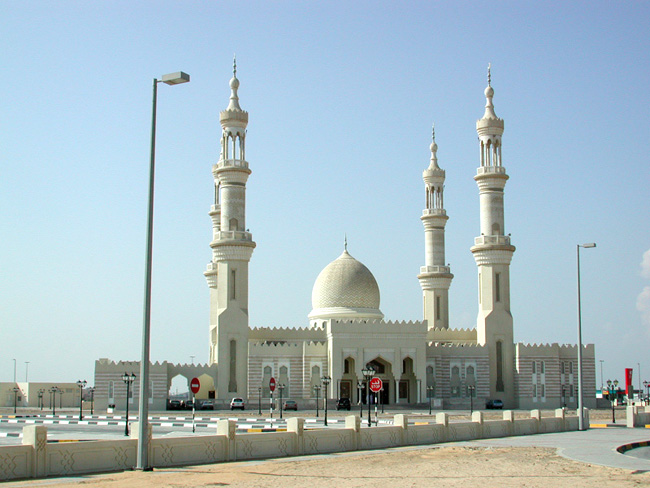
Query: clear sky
[341, 97]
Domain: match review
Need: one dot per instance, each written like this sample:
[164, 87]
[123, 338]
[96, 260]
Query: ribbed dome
[345, 288]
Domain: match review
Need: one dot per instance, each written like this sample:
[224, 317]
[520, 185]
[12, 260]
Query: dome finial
[489, 74]
[345, 242]
[234, 66]
[434, 149]
[234, 85]
[489, 93]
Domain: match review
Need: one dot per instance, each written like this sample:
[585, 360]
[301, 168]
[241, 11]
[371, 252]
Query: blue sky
[341, 98]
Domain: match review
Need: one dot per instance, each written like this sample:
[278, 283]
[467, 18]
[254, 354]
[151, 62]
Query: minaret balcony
[434, 211]
[496, 240]
[486, 170]
[232, 163]
[435, 269]
[233, 235]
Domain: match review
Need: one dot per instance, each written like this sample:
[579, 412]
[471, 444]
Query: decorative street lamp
[281, 387]
[128, 380]
[16, 390]
[430, 390]
[471, 389]
[326, 381]
[142, 462]
[581, 417]
[40, 398]
[81, 384]
[368, 372]
[92, 399]
[259, 401]
[317, 390]
[53, 391]
[611, 387]
[646, 384]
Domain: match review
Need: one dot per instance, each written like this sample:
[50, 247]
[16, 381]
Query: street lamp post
[368, 372]
[581, 418]
[602, 383]
[128, 379]
[360, 388]
[646, 384]
[16, 390]
[317, 390]
[611, 389]
[53, 391]
[81, 384]
[326, 381]
[40, 398]
[281, 387]
[259, 401]
[92, 399]
[429, 395]
[142, 462]
[563, 396]
[471, 389]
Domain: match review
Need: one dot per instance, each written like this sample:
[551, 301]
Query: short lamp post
[281, 387]
[368, 373]
[563, 396]
[54, 391]
[317, 391]
[259, 401]
[16, 390]
[581, 416]
[471, 389]
[646, 385]
[611, 390]
[92, 400]
[81, 384]
[142, 461]
[326, 380]
[430, 390]
[128, 380]
[360, 387]
[40, 398]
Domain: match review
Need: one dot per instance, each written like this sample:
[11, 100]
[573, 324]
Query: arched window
[232, 384]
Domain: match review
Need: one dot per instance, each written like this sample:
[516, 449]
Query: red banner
[629, 389]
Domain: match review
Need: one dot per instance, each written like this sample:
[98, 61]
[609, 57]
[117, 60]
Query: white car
[237, 403]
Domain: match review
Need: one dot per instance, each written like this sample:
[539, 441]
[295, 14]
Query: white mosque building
[347, 332]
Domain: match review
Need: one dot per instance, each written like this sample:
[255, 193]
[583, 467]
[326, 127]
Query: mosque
[418, 361]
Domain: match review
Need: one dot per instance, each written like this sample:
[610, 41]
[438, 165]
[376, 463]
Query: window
[543, 388]
[499, 385]
[233, 277]
[571, 368]
[455, 382]
[562, 367]
[542, 368]
[232, 384]
[438, 308]
[497, 287]
[534, 365]
[534, 391]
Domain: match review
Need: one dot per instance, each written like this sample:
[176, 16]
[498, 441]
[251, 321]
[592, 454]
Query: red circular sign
[272, 384]
[376, 384]
[195, 385]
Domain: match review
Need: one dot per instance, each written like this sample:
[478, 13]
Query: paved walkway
[593, 446]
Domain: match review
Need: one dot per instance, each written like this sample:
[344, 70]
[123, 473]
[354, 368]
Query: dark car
[189, 405]
[174, 405]
[343, 404]
[290, 405]
[207, 405]
[494, 404]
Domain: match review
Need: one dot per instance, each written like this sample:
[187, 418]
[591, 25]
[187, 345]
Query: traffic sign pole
[195, 386]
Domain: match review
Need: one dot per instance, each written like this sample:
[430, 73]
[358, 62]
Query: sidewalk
[593, 446]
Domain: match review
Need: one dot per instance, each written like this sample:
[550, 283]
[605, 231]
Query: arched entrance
[384, 370]
[407, 382]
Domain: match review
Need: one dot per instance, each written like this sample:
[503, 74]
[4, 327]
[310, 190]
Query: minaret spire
[435, 276]
[493, 252]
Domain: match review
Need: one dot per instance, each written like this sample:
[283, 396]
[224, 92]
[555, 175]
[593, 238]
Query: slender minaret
[493, 252]
[232, 246]
[435, 277]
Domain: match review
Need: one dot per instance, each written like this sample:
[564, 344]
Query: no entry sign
[376, 384]
[195, 385]
[272, 384]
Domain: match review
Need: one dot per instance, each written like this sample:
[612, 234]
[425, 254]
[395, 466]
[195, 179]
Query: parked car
[189, 404]
[237, 403]
[290, 405]
[207, 405]
[343, 404]
[174, 405]
[494, 404]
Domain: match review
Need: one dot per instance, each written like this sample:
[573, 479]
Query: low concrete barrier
[37, 458]
[638, 416]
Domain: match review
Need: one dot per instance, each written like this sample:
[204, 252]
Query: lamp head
[175, 78]
[588, 245]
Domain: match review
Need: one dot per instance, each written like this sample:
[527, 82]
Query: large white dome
[345, 289]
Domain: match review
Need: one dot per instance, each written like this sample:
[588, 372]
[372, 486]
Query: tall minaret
[232, 246]
[493, 252]
[435, 277]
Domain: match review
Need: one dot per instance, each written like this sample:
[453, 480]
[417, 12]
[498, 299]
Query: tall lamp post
[611, 390]
[326, 380]
[646, 384]
[128, 379]
[360, 386]
[581, 418]
[142, 462]
[429, 395]
[53, 391]
[471, 389]
[317, 390]
[40, 398]
[368, 372]
[259, 401]
[81, 384]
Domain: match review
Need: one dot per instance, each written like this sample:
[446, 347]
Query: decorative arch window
[455, 382]
[232, 384]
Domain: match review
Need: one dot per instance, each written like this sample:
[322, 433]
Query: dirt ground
[400, 468]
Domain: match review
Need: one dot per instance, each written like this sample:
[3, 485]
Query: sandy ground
[400, 468]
